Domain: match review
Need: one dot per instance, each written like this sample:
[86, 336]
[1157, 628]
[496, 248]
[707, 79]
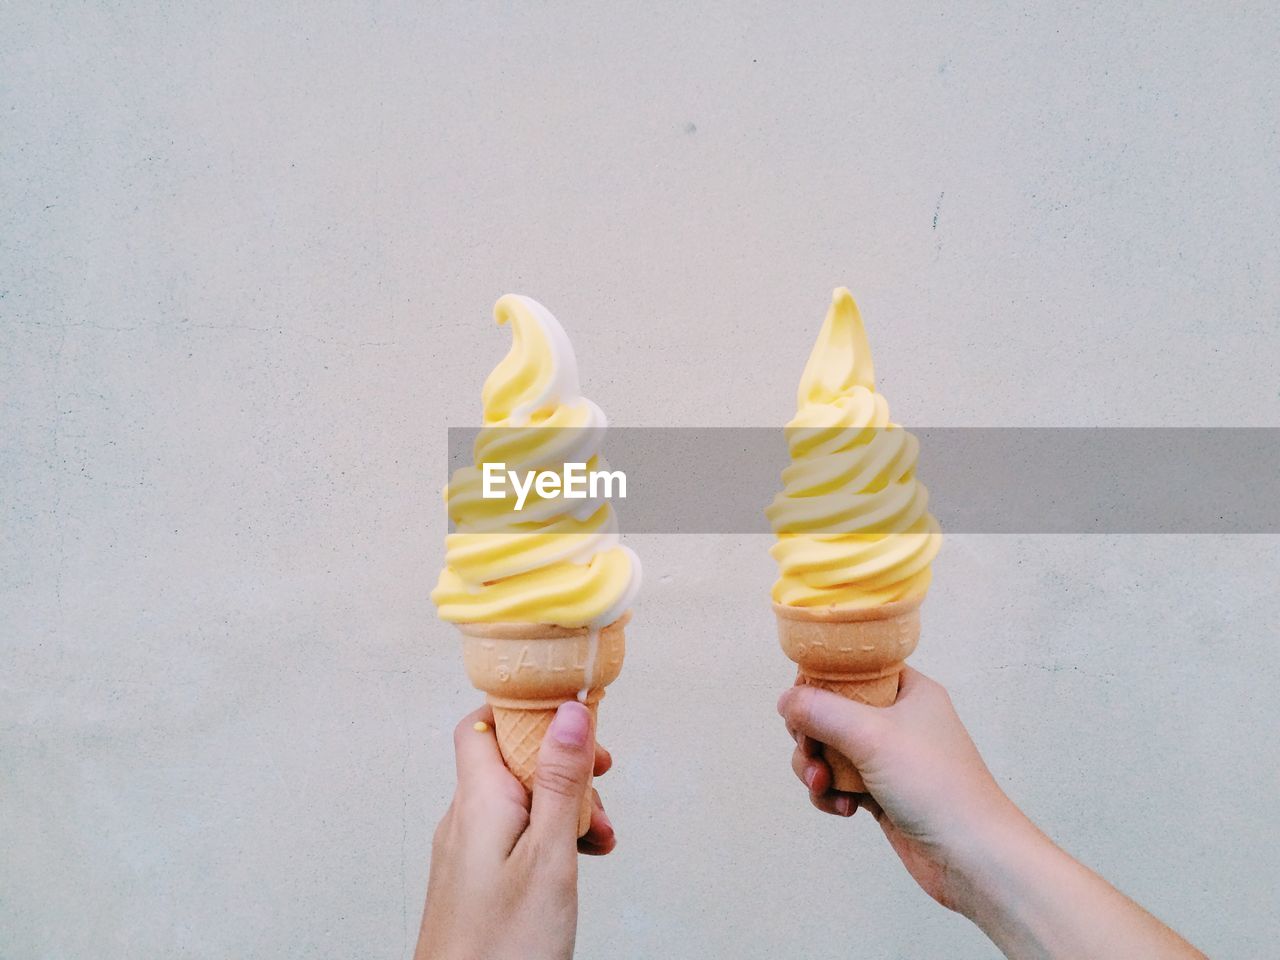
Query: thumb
[563, 774]
[855, 729]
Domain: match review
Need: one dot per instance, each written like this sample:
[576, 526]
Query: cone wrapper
[858, 654]
[528, 669]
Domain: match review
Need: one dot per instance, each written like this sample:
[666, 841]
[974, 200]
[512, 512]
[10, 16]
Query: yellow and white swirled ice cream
[554, 560]
[852, 520]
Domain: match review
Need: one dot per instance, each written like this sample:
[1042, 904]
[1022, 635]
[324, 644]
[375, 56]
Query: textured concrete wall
[247, 258]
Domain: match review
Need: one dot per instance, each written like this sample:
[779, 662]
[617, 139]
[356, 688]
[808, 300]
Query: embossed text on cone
[858, 654]
[528, 669]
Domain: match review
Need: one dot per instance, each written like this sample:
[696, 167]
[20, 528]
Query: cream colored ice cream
[537, 583]
[553, 561]
[852, 520]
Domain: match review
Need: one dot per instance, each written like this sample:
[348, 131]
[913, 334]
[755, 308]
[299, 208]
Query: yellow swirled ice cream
[554, 560]
[852, 520]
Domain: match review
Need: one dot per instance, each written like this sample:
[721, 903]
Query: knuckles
[797, 709]
[465, 727]
[561, 776]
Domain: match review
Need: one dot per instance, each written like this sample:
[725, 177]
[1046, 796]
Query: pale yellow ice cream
[852, 519]
[552, 561]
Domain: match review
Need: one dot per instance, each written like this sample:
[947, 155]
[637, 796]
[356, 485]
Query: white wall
[247, 259]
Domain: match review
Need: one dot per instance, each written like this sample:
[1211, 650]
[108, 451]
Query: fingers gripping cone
[858, 654]
[528, 669]
[855, 538]
[511, 575]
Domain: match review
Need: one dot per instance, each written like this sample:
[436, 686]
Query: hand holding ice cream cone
[540, 591]
[855, 538]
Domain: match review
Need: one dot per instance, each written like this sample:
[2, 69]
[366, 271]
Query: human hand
[928, 787]
[504, 865]
[957, 833]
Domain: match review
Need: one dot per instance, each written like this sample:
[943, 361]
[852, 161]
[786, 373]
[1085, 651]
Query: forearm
[1034, 901]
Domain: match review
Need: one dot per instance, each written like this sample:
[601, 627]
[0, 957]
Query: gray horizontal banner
[979, 480]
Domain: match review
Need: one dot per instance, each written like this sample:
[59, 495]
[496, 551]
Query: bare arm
[1034, 900]
[957, 833]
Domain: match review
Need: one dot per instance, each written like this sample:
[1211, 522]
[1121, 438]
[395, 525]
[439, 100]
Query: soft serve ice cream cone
[541, 589]
[855, 538]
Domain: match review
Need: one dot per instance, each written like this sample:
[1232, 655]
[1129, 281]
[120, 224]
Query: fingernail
[782, 697]
[844, 806]
[571, 724]
[810, 775]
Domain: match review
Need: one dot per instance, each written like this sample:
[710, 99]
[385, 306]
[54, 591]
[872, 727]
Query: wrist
[994, 861]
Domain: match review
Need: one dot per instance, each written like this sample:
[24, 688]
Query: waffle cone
[528, 669]
[858, 654]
